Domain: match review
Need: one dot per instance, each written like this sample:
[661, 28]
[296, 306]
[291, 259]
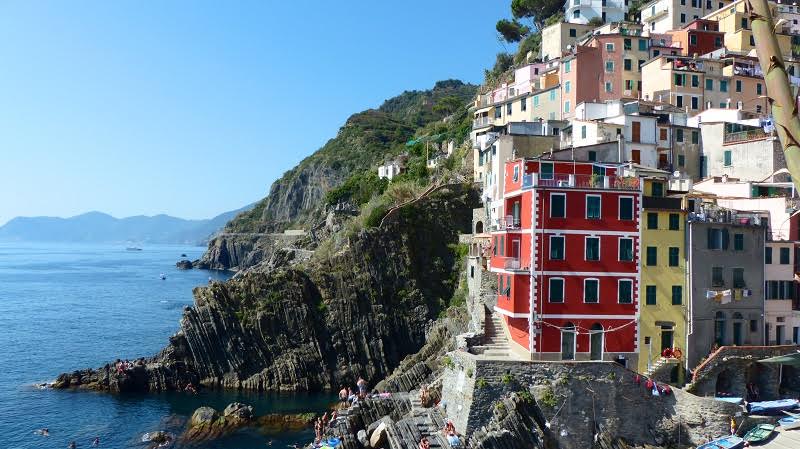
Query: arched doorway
[719, 328]
[596, 342]
[724, 384]
[738, 333]
[479, 227]
[568, 342]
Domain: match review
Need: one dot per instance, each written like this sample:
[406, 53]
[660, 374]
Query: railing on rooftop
[729, 217]
[744, 136]
[580, 182]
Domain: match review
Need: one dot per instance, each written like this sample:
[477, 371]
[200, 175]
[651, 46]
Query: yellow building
[734, 21]
[663, 294]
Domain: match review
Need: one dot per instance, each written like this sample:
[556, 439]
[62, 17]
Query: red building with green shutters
[567, 260]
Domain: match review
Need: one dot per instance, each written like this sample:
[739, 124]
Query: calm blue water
[65, 307]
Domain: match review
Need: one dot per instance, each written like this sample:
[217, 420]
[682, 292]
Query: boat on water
[133, 248]
[772, 407]
[728, 442]
[790, 422]
[163, 276]
[759, 434]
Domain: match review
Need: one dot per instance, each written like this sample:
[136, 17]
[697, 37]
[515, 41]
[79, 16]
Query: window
[556, 290]
[626, 208]
[625, 291]
[494, 246]
[642, 45]
[558, 205]
[738, 242]
[609, 47]
[709, 84]
[627, 64]
[652, 256]
[717, 238]
[738, 278]
[593, 206]
[677, 295]
[523, 105]
[723, 86]
[502, 245]
[785, 256]
[683, 18]
[753, 325]
[657, 189]
[498, 112]
[508, 108]
[576, 14]
[679, 101]
[744, 23]
[556, 247]
[583, 131]
[546, 170]
[650, 295]
[674, 222]
[679, 78]
[626, 44]
[625, 249]
[693, 39]
[652, 220]
[758, 88]
[591, 290]
[681, 160]
[573, 32]
[728, 156]
[718, 42]
[567, 86]
[674, 256]
[609, 87]
[695, 137]
[628, 84]
[566, 106]
[695, 103]
[639, 66]
[553, 92]
[609, 66]
[516, 176]
[662, 134]
[567, 66]
[592, 248]
[695, 81]
[738, 85]
[592, 155]
[768, 255]
[717, 279]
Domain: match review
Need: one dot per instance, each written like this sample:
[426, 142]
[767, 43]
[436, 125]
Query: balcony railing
[509, 263]
[580, 182]
[482, 122]
[508, 223]
[744, 136]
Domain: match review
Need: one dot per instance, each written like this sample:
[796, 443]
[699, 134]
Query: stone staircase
[660, 370]
[494, 344]
[429, 423]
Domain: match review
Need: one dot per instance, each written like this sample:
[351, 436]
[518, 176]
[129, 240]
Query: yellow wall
[663, 277]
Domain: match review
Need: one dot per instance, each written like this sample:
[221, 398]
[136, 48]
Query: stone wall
[579, 399]
[731, 368]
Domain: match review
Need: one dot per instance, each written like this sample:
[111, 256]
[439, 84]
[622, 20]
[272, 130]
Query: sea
[71, 306]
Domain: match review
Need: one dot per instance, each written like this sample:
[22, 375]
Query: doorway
[779, 334]
[667, 338]
[719, 328]
[636, 156]
[596, 342]
[738, 336]
[568, 342]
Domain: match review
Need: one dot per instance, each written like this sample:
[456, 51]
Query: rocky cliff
[355, 312]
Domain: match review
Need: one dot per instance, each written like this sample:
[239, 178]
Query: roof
[788, 359]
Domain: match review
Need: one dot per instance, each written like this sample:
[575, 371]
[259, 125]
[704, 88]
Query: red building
[566, 257]
[699, 37]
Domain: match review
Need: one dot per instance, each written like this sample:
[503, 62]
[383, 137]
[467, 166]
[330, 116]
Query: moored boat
[772, 407]
[789, 422]
[728, 442]
[759, 433]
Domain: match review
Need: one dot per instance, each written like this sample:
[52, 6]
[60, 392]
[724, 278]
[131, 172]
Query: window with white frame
[591, 291]
[593, 207]
[625, 291]
[555, 290]
[592, 248]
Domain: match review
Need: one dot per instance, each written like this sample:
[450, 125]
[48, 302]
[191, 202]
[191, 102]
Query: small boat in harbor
[728, 442]
[759, 434]
[163, 277]
[772, 407]
[133, 248]
[790, 422]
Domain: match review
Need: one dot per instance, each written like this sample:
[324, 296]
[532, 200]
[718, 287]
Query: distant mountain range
[97, 227]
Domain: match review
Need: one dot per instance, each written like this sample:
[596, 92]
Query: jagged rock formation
[357, 312]
[232, 251]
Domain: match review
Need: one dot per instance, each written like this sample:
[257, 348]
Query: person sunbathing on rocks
[424, 444]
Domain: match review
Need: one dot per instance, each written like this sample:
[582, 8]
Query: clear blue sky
[193, 108]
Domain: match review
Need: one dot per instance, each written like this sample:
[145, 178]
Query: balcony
[745, 136]
[655, 16]
[660, 202]
[482, 122]
[509, 263]
[509, 223]
[534, 180]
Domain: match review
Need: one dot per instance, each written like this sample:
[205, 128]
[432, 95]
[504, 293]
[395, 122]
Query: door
[667, 337]
[779, 335]
[596, 342]
[636, 132]
[636, 156]
[737, 333]
[568, 342]
[515, 253]
[662, 160]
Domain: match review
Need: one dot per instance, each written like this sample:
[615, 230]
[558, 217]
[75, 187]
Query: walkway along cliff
[355, 312]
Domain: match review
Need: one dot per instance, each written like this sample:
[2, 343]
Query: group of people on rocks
[348, 397]
[45, 432]
[188, 388]
[450, 434]
[321, 426]
[125, 365]
[654, 387]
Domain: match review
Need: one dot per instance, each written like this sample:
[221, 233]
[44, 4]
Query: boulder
[203, 416]
[361, 436]
[238, 411]
[184, 264]
[378, 436]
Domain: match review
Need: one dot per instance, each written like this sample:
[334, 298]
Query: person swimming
[96, 442]
[45, 432]
[72, 445]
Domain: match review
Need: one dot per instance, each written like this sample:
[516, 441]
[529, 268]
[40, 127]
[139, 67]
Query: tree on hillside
[536, 10]
[447, 105]
[511, 30]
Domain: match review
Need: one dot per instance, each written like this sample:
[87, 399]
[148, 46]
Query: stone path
[786, 439]
[429, 423]
[495, 344]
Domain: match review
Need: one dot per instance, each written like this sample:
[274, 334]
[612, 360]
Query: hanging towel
[655, 390]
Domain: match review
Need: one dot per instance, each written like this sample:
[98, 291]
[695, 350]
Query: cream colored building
[558, 36]
[660, 16]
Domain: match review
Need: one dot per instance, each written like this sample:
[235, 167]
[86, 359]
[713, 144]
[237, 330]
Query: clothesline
[588, 331]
